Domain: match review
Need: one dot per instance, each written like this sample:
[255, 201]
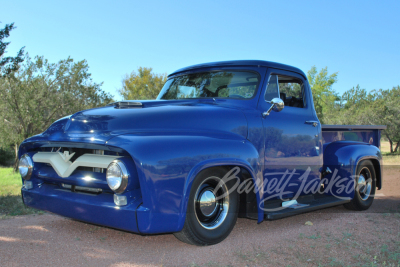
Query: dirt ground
[338, 237]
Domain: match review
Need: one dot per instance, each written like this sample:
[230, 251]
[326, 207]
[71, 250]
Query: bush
[6, 156]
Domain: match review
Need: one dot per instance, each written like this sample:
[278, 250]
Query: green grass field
[10, 195]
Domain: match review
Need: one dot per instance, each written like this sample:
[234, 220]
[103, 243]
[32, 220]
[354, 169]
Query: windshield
[213, 84]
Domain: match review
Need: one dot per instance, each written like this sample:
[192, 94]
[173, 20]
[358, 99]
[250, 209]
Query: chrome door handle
[314, 123]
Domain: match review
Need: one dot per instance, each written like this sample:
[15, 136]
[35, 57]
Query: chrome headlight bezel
[25, 171]
[119, 183]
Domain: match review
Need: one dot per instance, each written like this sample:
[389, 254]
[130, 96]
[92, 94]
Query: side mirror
[277, 105]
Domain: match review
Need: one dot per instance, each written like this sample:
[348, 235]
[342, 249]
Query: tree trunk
[391, 145]
[16, 161]
[397, 146]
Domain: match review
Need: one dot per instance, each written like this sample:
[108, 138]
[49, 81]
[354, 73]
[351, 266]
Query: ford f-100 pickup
[222, 140]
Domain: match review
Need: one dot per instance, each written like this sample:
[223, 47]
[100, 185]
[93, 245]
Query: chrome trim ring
[124, 177]
[211, 204]
[30, 167]
[364, 183]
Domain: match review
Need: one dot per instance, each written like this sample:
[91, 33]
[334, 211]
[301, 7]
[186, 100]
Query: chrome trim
[364, 186]
[30, 168]
[277, 84]
[125, 176]
[277, 105]
[98, 152]
[222, 206]
[314, 123]
[64, 167]
[126, 104]
[207, 202]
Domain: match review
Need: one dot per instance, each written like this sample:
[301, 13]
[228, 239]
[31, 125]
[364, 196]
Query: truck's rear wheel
[212, 212]
[365, 187]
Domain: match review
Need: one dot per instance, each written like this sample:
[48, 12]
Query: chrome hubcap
[364, 184]
[207, 202]
[211, 203]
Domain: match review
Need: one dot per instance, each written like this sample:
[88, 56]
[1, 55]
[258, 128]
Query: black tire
[361, 201]
[194, 231]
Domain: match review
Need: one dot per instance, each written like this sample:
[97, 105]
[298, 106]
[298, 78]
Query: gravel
[335, 234]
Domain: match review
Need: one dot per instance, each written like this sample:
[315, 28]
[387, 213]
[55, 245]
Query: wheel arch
[245, 170]
[167, 165]
[376, 162]
[346, 156]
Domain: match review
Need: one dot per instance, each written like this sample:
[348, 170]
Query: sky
[358, 39]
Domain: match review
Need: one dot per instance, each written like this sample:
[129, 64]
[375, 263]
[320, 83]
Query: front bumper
[97, 209]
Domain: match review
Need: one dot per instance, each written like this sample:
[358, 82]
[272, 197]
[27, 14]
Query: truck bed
[370, 134]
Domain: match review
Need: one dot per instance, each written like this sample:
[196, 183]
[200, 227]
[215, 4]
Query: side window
[272, 88]
[291, 91]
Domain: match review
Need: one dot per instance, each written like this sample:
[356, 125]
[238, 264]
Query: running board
[317, 204]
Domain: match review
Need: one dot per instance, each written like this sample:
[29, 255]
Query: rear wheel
[212, 212]
[365, 187]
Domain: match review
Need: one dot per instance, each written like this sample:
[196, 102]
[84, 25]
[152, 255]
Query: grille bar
[74, 188]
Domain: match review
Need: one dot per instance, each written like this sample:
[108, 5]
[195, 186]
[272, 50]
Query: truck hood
[206, 118]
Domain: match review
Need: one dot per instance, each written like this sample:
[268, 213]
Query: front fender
[344, 157]
[167, 166]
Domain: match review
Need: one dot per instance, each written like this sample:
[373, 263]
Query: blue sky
[358, 39]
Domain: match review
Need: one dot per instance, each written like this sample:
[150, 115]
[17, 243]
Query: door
[292, 148]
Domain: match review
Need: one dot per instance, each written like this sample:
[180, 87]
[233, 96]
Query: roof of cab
[241, 63]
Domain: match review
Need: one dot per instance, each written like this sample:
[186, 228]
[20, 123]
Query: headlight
[117, 176]
[25, 167]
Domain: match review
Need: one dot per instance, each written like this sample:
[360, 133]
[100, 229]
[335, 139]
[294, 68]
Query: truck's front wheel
[212, 211]
[365, 187]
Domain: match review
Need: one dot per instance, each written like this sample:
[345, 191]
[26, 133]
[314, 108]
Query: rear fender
[342, 158]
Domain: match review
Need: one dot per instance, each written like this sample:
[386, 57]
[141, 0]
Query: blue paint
[166, 143]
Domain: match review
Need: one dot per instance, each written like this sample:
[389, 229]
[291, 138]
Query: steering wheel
[207, 93]
[219, 88]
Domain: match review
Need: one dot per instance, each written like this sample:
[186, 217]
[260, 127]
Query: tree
[378, 107]
[41, 92]
[142, 84]
[350, 108]
[324, 95]
[384, 108]
[8, 64]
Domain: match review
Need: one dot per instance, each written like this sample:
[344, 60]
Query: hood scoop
[126, 104]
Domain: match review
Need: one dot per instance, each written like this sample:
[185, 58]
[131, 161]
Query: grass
[389, 158]
[10, 195]
[253, 257]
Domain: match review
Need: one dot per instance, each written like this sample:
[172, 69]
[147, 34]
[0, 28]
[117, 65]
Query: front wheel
[365, 187]
[212, 211]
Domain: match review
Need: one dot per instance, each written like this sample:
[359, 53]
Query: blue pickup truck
[222, 140]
